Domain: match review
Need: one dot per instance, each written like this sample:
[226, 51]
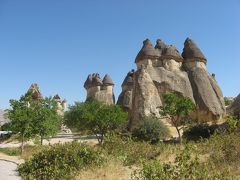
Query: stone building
[101, 90]
[163, 69]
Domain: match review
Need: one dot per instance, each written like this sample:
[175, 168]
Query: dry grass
[113, 170]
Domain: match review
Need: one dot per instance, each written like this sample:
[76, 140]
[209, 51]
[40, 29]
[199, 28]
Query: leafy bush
[60, 161]
[151, 129]
[232, 123]
[185, 167]
[129, 151]
[200, 131]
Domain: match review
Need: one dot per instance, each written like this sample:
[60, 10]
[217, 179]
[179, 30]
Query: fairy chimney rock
[162, 69]
[98, 89]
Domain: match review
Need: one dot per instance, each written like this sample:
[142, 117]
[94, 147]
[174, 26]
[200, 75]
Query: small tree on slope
[178, 109]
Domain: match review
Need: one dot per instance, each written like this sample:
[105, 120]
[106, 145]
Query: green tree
[46, 120]
[21, 115]
[178, 109]
[95, 116]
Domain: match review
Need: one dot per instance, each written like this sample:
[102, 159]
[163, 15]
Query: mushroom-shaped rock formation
[36, 94]
[100, 90]
[147, 52]
[88, 83]
[191, 52]
[160, 46]
[107, 80]
[171, 52]
[164, 72]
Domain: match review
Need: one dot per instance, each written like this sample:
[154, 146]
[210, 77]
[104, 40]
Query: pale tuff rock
[101, 90]
[161, 70]
[62, 105]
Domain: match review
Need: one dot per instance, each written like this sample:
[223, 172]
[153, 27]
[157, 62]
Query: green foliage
[232, 123]
[129, 151]
[97, 117]
[184, 167]
[46, 120]
[151, 129]
[62, 161]
[31, 118]
[227, 101]
[178, 109]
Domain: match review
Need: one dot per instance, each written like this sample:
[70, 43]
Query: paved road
[8, 171]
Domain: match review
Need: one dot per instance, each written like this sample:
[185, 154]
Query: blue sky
[58, 43]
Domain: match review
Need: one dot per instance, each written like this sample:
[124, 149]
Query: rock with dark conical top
[160, 45]
[107, 80]
[88, 82]
[128, 81]
[57, 98]
[36, 94]
[97, 81]
[171, 52]
[192, 52]
[147, 52]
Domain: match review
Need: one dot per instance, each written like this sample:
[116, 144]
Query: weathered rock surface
[162, 69]
[207, 95]
[146, 100]
[234, 108]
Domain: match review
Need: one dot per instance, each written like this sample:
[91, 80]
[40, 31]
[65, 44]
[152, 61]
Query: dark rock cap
[107, 80]
[160, 45]
[57, 98]
[191, 51]
[147, 52]
[88, 82]
[36, 94]
[128, 81]
[96, 80]
[171, 52]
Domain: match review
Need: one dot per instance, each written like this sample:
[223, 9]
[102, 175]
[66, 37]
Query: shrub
[185, 167]
[232, 124]
[61, 161]
[200, 131]
[151, 129]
